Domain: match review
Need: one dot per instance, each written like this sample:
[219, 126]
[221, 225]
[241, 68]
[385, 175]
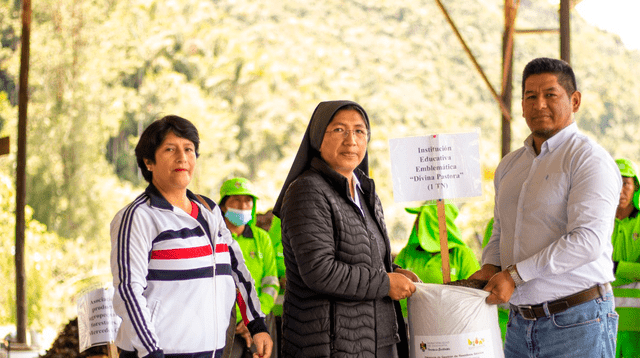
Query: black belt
[559, 305]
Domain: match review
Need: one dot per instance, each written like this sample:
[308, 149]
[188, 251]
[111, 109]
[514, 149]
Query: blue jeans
[583, 331]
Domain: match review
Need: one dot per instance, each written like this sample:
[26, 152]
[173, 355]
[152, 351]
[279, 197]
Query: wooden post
[5, 147]
[505, 112]
[112, 349]
[444, 243]
[510, 11]
[565, 30]
[21, 191]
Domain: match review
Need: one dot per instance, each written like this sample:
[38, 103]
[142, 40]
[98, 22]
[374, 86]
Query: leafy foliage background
[249, 74]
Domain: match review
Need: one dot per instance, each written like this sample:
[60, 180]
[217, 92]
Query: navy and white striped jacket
[175, 280]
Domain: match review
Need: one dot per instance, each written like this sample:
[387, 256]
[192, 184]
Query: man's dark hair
[560, 68]
[155, 134]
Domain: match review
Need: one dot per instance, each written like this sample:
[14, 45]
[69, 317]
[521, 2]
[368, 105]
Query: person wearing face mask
[238, 204]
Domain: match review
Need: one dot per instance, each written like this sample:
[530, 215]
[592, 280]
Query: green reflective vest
[260, 259]
[275, 232]
[422, 252]
[626, 251]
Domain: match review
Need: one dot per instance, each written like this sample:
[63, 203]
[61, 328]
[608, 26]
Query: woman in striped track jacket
[176, 269]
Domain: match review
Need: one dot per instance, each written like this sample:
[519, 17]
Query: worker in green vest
[626, 261]
[422, 252]
[238, 205]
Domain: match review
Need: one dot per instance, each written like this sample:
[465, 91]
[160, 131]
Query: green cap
[628, 169]
[239, 186]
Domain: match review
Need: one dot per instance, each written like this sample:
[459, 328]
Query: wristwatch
[515, 275]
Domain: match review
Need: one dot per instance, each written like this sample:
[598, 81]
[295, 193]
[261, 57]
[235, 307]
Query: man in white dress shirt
[549, 255]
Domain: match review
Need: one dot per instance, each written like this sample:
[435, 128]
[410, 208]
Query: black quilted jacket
[329, 305]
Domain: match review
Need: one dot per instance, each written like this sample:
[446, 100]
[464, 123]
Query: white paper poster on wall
[438, 166]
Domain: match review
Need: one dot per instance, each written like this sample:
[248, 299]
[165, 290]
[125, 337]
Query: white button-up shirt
[554, 216]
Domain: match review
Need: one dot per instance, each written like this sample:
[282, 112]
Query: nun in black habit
[342, 291]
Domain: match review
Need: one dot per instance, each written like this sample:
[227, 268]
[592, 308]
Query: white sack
[452, 322]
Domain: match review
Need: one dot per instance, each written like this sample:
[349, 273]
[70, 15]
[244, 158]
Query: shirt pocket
[154, 307]
[554, 189]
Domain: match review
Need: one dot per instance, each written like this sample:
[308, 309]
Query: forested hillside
[249, 74]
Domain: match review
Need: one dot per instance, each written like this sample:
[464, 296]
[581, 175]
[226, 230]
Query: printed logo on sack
[476, 342]
[423, 346]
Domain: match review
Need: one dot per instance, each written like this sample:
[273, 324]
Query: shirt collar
[157, 200]
[554, 142]
[247, 232]
[356, 182]
[357, 193]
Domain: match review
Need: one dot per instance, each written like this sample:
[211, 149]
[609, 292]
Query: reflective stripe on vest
[270, 281]
[627, 295]
[271, 291]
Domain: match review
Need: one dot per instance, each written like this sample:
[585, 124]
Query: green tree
[249, 74]
[57, 269]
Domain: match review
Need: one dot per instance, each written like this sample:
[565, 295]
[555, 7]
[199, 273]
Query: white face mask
[238, 217]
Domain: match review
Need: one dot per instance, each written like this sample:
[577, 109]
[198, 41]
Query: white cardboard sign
[438, 166]
[97, 321]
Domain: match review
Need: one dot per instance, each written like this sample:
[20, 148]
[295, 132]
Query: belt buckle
[527, 313]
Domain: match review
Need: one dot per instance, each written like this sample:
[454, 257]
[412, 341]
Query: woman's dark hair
[155, 134]
[352, 107]
[561, 69]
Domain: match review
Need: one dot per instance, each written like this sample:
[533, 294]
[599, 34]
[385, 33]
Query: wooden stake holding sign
[435, 168]
[444, 319]
[444, 243]
[112, 349]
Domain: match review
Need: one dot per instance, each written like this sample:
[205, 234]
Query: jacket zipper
[375, 332]
[332, 327]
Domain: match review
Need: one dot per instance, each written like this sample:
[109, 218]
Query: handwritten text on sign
[441, 166]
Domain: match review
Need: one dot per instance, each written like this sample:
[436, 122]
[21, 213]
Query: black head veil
[310, 146]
